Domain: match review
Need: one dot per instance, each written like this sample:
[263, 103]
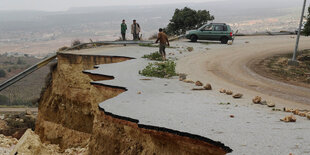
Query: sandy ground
[170, 103]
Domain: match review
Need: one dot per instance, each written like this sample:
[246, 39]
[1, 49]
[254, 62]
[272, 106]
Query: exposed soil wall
[69, 116]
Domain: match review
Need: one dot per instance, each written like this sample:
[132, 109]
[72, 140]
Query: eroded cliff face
[69, 116]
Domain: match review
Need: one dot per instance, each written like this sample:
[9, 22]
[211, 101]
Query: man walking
[135, 30]
[163, 41]
[123, 30]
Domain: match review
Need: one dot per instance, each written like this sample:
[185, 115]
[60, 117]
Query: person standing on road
[163, 41]
[123, 30]
[135, 30]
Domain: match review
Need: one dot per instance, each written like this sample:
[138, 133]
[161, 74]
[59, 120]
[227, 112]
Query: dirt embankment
[69, 116]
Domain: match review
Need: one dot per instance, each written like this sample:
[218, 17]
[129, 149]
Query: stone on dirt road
[188, 81]
[308, 115]
[290, 118]
[302, 114]
[257, 100]
[182, 77]
[238, 95]
[270, 104]
[198, 83]
[223, 90]
[264, 102]
[28, 112]
[208, 86]
[229, 92]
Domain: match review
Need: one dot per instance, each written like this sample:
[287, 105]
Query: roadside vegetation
[187, 19]
[307, 25]
[156, 56]
[164, 69]
[278, 67]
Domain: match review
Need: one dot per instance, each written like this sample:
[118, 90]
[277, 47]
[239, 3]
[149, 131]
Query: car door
[218, 32]
[206, 32]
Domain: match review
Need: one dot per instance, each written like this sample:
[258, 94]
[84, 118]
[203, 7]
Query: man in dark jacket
[123, 30]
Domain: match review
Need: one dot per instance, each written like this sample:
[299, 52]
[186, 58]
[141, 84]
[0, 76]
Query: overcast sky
[62, 5]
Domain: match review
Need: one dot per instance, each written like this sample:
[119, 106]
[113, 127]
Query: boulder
[208, 86]
[223, 90]
[198, 83]
[238, 95]
[289, 118]
[229, 92]
[257, 100]
[270, 104]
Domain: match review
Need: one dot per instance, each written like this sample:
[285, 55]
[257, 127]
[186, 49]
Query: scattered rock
[198, 89]
[198, 83]
[257, 100]
[188, 81]
[288, 110]
[238, 95]
[232, 116]
[208, 86]
[229, 92]
[139, 93]
[308, 115]
[145, 79]
[223, 90]
[302, 114]
[270, 104]
[290, 118]
[229, 43]
[295, 112]
[246, 42]
[28, 112]
[182, 77]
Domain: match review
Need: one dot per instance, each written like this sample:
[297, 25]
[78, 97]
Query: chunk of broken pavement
[289, 118]
[270, 104]
[257, 100]
[229, 92]
[238, 95]
[198, 83]
[223, 90]
[208, 86]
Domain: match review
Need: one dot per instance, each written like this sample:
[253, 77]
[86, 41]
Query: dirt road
[230, 67]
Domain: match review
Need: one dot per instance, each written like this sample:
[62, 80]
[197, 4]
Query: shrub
[187, 19]
[4, 100]
[154, 56]
[2, 73]
[159, 69]
[307, 25]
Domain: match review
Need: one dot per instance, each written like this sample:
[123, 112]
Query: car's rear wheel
[224, 40]
[194, 38]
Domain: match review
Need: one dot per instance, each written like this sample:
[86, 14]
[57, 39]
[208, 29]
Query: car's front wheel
[224, 40]
[194, 38]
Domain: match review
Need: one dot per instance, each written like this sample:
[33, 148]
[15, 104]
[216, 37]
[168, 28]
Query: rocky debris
[198, 83]
[198, 89]
[246, 42]
[229, 43]
[288, 110]
[238, 95]
[139, 93]
[188, 81]
[28, 112]
[257, 100]
[232, 116]
[308, 115]
[290, 118]
[271, 105]
[223, 90]
[182, 77]
[295, 112]
[7, 144]
[208, 86]
[229, 92]
[302, 114]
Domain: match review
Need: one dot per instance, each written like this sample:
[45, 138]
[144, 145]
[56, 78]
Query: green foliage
[148, 45]
[307, 25]
[187, 19]
[2, 73]
[154, 56]
[21, 122]
[159, 69]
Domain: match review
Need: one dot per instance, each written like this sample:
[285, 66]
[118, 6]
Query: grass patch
[278, 66]
[159, 69]
[156, 56]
